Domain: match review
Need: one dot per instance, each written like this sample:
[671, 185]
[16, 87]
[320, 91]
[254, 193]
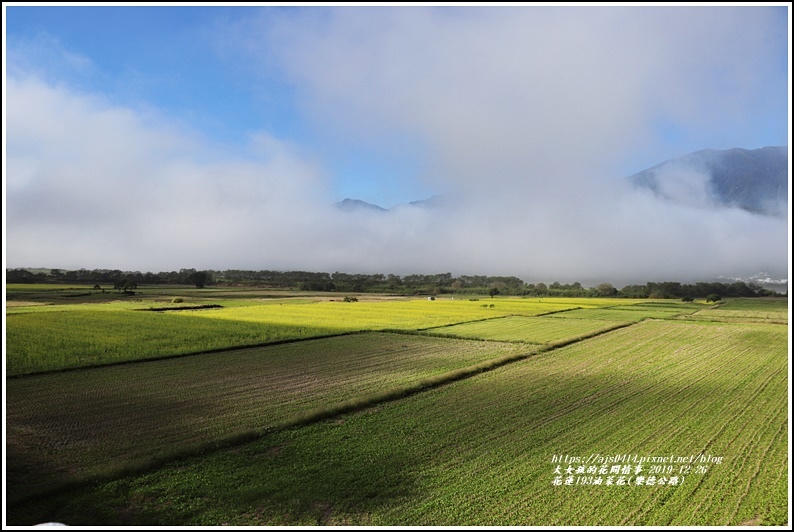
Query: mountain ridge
[354, 205]
[752, 180]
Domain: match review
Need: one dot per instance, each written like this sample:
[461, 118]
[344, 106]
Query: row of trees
[83, 276]
[427, 284]
[666, 290]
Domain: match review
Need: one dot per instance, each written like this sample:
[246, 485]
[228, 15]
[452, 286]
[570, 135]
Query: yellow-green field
[623, 313]
[536, 330]
[398, 425]
[54, 337]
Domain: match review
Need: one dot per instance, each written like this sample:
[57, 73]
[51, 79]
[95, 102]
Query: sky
[159, 138]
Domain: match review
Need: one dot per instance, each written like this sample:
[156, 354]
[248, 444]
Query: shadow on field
[268, 482]
[60, 449]
[478, 451]
[474, 452]
[68, 429]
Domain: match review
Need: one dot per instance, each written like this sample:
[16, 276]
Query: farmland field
[779, 305]
[526, 329]
[747, 310]
[703, 397]
[52, 337]
[45, 341]
[104, 418]
[623, 314]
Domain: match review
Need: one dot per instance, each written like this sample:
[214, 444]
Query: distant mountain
[433, 201]
[356, 205]
[753, 180]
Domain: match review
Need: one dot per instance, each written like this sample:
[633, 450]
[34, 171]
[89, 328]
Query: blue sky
[176, 60]
[493, 107]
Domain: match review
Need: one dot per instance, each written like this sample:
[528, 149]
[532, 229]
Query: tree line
[413, 284]
[112, 277]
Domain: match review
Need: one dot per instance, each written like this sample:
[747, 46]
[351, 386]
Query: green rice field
[400, 412]
[534, 330]
[622, 313]
[747, 310]
[54, 337]
[103, 419]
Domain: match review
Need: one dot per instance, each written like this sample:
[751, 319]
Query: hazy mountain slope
[353, 205]
[754, 180]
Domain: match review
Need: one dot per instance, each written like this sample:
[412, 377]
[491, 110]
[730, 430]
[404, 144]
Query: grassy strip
[599, 332]
[487, 319]
[561, 310]
[424, 329]
[554, 344]
[614, 314]
[433, 334]
[191, 307]
[695, 318]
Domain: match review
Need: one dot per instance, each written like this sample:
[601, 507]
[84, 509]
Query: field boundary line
[488, 319]
[545, 345]
[431, 334]
[731, 320]
[452, 324]
[191, 354]
[558, 311]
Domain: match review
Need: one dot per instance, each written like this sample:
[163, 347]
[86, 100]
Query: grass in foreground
[479, 451]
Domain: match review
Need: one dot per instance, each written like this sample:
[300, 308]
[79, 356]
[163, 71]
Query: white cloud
[89, 182]
[523, 113]
[527, 111]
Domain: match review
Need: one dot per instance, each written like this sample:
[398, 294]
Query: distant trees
[198, 278]
[606, 290]
[414, 284]
[20, 275]
[634, 291]
[126, 285]
[712, 298]
[665, 290]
